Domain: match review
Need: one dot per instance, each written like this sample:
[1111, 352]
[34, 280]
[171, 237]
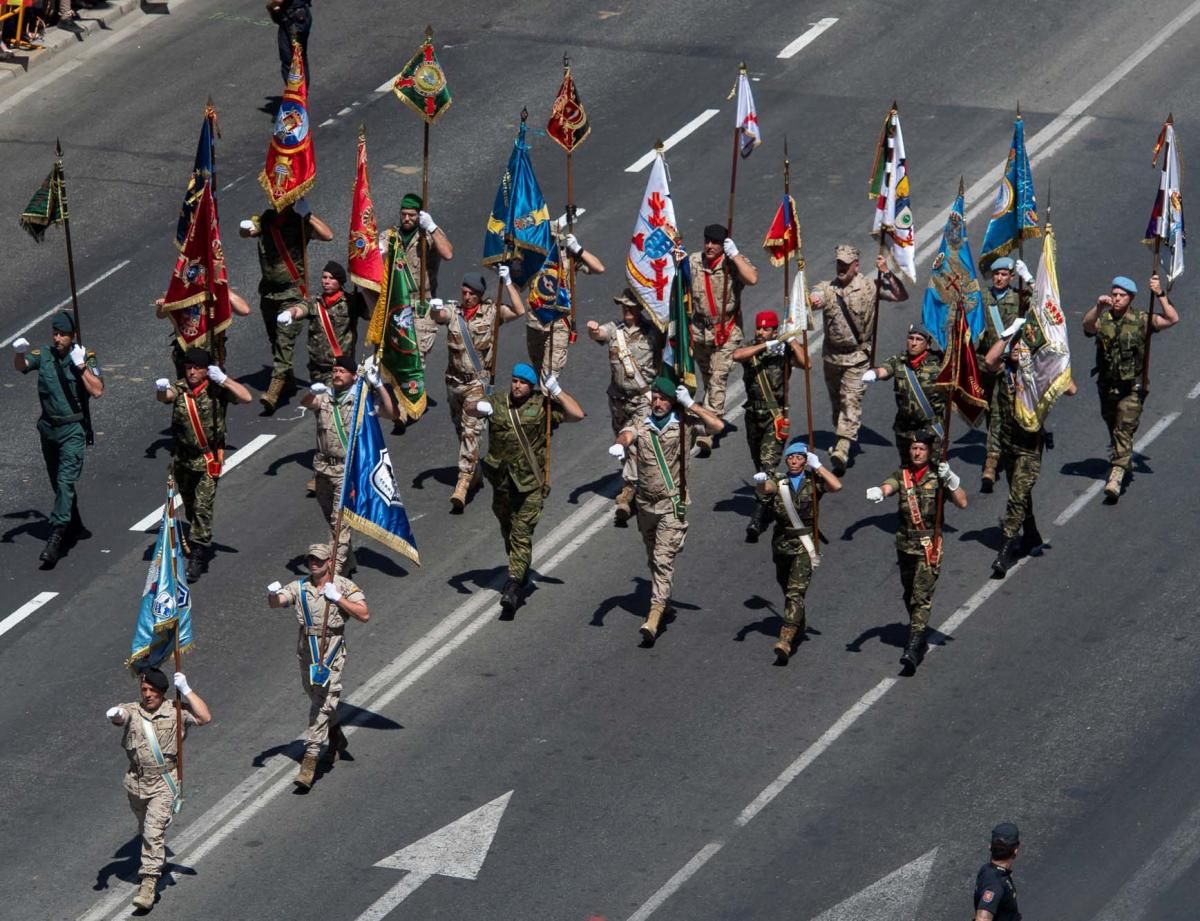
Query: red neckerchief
[915, 363]
[331, 299]
[919, 475]
[469, 312]
[716, 263]
[199, 388]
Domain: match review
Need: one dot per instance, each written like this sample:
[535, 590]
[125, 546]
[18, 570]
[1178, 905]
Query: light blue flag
[518, 229]
[165, 618]
[952, 279]
[371, 502]
[1014, 214]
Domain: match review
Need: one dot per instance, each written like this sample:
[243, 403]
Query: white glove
[285, 318]
[181, 684]
[425, 222]
[302, 208]
[371, 372]
[332, 592]
[21, 346]
[247, 225]
[683, 397]
[162, 385]
[948, 476]
[216, 375]
[1013, 327]
[617, 451]
[816, 298]
[505, 275]
[775, 347]
[730, 248]
[436, 303]
[116, 715]
[551, 385]
[875, 494]
[760, 478]
[1024, 273]
[275, 587]
[318, 388]
[78, 355]
[870, 377]
[574, 247]
[484, 408]
[812, 461]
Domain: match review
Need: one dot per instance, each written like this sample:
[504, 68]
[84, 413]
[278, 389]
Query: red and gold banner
[197, 298]
[568, 120]
[365, 261]
[291, 166]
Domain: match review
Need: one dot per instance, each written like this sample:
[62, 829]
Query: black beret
[198, 357]
[337, 270]
[716, 233]
[346, 363]
[156, 679]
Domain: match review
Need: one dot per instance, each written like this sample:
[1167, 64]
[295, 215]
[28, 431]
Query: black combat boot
[1006, 557]
[198, 561]
[510, 597]
[1031, 538]
[758, 522]
[914, 651]
[53, 549]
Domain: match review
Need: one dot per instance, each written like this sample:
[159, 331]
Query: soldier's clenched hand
[20, 346]
[116, 716]
[875, 494]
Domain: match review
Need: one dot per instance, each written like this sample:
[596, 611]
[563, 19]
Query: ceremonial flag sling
[650, 264]
[291, 167]
[1165, 227]
[365, 261]
[1043, 352]
[952, 277]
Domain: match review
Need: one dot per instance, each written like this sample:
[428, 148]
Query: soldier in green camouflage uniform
[282, 258]
[764, 362]
[515, 464]
[918, 550]
[915, 411]
[793, 495]
[341, 310]
[68, 377]
[1120, 334]
[199, 400]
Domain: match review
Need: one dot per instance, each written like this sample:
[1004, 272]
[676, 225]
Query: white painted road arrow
[896, 897]
[458, 850]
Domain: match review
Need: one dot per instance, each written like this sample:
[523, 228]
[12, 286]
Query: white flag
[893, 209]
[1166, 221]
[650, 266]
[747, 116]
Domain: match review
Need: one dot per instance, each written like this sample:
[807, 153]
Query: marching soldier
[717, 265]
[332, 321]
[1120, 334]
[634, 352]
[68, 377]
[920, 403]
[548, 328]
[152, 781]
[918, 549]
[651, 448]
[416, 223]
[332, 406]
[469, 339]
[325, 603]
[238, 307]
[515, 464]
[849, 304]
[995, 894]
[199, 400]
[793, 546]
[283, 260]
[764, 361]
[1001, 305]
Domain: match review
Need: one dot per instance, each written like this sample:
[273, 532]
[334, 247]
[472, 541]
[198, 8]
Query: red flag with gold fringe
[291, 166]
[365, 261]
[197, 298]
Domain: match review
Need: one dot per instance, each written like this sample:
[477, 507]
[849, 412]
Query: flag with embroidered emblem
[46, 207]
[1042, 350]
[371, 502]
[1166, 218]
[393, 329]
[783, 236]
[165, 617]
[291, 168]
[204, 174]
[365, 261]
[678, 354]
[568, 125]
[650, 265]
[197, 298]
[1014, 212]
[749, 135]
[549, 294]
[960, 373]
[893, 220]
[421, 85]
[952, 279]
[518, 229]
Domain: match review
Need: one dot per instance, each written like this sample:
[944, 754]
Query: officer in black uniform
[995, 894]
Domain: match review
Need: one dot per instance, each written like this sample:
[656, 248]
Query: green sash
[161, 761]
[656, 442]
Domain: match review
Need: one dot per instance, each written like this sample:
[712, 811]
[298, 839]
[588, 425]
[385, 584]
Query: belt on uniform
[315, 630]
[151, 770]
[72, 419]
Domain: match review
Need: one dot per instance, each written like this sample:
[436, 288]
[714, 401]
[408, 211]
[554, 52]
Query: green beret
[665, 386]
[411, 201]
[63, 322]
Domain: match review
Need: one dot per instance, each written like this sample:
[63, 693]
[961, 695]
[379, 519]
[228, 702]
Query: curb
[58, 41]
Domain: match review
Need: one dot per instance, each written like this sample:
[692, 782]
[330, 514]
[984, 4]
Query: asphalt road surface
[593, 778]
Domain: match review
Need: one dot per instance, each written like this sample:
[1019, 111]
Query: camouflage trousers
[1122, 414]
[713, 365]
[282, 338]
[548, 348]
[518, 514]
[322, 701]
[626, 408]
[793, 572]
[766, 451]
[153, 813]
[845, 387]
[426, 330]
[467, 428]
[998, 410]
[329, 497]
[919, 580]
[1022, 472]
[663, 536]
[199, 493]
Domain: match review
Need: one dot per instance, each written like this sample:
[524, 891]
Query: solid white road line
[1194, 392]
[256, 443]
[796, 45]
[671, 886]
[646, 159]
[25, 610]
[63, 303]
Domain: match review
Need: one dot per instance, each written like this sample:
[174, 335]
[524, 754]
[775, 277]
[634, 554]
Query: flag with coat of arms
[650, 265]
[164, 620]
[893, 220]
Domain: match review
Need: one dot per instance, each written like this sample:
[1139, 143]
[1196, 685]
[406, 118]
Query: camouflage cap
[846, 253]
[627, 299]
[319, 551]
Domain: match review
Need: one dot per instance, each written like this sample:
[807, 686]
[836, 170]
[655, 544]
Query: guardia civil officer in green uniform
[68, 377]
[918, 550]
[1120, 334]
[516, 461]
[793, 546]
[995, 893]
[920, 403]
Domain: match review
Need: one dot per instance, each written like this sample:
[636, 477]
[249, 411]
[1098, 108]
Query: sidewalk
[90, 25]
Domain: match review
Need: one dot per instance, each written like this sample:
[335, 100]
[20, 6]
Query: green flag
[422, 84]
[682, 361]
[46, 207]
[392, 329]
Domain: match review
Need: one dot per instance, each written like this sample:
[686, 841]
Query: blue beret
[1004, 262]
[525, 372]
[796, 447]
[1128, 284]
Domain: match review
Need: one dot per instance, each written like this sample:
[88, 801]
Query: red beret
[766, 318]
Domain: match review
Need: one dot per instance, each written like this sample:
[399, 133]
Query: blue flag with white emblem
[371, 502]
[165, 619]
[518, 229]
[1014, 213]
[953, 279]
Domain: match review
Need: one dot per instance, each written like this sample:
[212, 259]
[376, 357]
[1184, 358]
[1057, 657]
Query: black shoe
[1031, 539]
[914, 651]
[758, 523]
[53, 549]
[1006, 557]
[510, 598]
[198, 562]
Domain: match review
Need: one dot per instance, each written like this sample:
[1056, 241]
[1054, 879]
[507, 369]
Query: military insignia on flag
[1166, 218]
[893, 220]
[749, 135]
[197, 298]
[518, 229]
[549, 297]
[953, 280]
[1042, 350]
[650, 265]
[421, 85]
[392, 327]
[365, 260]
[783, 236]
[164, 620]
[46, 207]
[568, 124]
[1014, 212]
[960, 373]
[203, 174]
[291, 168]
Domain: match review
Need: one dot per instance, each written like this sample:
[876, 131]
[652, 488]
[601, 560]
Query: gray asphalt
[1065, 702]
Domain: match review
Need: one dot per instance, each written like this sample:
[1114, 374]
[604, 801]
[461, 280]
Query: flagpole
[356, 424]
[424, 249]
[1156, 264]
[947, 416]
[737, 130]
[66, 221]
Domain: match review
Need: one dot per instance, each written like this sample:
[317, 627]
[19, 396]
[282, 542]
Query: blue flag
[165, 618]
[203, 174]
[549, 292]
[1014, 214]
[371, 502]
[953, 279]
[518, 229]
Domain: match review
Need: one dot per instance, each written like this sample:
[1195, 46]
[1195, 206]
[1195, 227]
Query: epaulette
[37, 352]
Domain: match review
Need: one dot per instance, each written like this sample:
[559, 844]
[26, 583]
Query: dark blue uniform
[995, 893]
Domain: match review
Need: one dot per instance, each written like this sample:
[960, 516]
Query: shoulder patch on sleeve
[988, 896]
